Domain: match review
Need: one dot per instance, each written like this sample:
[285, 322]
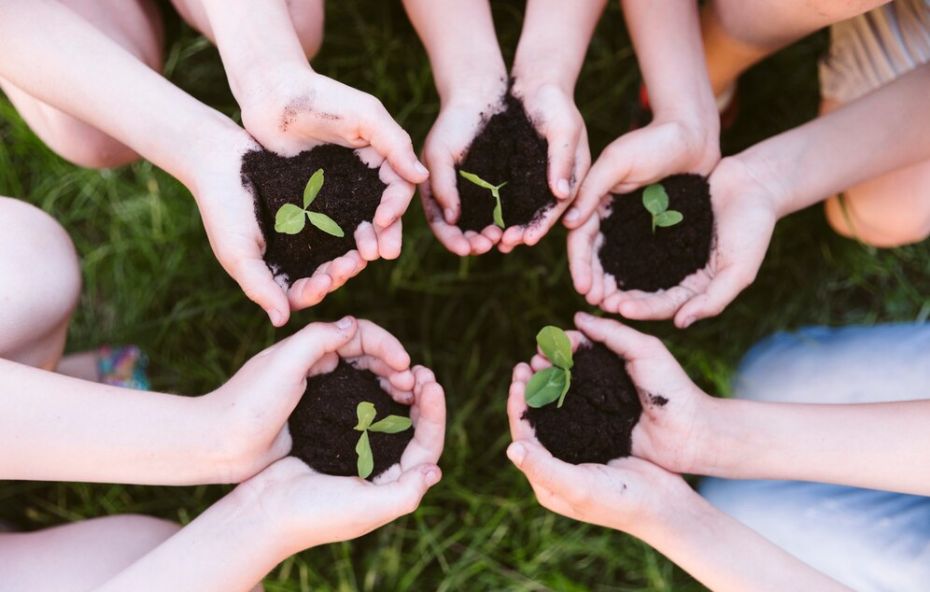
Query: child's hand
[254, 406]
[644, 156]
[294, 108]
[445, 145]
[556, 118]
[744, 218]
[309, 509]
[304, 509]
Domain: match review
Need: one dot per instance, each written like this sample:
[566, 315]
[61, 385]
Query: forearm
[254, 42]
[56, 428]
[727, 556]
[228, 548]
[555, 40]
[667, 39]
[59, 58]
[879, 446]
[461, 43]
[876, 134]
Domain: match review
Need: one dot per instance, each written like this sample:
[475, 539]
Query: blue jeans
[869, 540]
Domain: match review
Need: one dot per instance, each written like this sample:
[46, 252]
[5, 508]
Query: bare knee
[41, 276]
[308, 17]
[883, 227]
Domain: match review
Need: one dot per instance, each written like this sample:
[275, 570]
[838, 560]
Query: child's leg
[135, 25]
[739, 33]
[40, 282]
[870, 540]
[78, 556]
[307, 16]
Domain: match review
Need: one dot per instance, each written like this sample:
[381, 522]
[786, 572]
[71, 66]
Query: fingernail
[516, 453]
[431, 475]
[344, 323]
[276, 317]
[450, 215]
[583, 317]
[420, 168]
[572, 215]
[563, 187]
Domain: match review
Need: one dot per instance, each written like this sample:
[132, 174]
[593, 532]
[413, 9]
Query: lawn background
[150, 279]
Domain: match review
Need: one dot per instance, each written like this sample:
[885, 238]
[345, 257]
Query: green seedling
[495, 192]
[391, 424]
[655, 200]
[551, 383]
[291, 218]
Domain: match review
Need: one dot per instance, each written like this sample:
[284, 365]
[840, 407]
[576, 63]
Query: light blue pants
[869, 540]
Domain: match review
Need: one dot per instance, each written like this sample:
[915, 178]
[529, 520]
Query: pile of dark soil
[351, 194]
[509, 149]
[595, 424]
[642, 260]
[322, 425]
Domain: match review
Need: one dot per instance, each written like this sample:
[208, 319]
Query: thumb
[444, 183]
[611, 167]
[255, 279]
[298, 353]
[544, 470]
[389, 139]
[389, 501]
[563, 142]
[719, 293]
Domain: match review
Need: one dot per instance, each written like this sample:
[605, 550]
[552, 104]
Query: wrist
[215, 148]
[761, 167]
[728, 441]
[673, 505]
[529, 73]
[474, 83]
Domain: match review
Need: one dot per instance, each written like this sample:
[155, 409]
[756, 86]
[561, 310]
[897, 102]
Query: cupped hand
[445, 146]
[628, 494]
[555, 116]
[744, 218]
[253, 407]
[644, 156]
[294, 108]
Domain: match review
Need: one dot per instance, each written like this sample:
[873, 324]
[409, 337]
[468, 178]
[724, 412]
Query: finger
[444, 183]
[255, 279]
[390, 241]
[565, 481]
[430, 427]
[516, 404]
[478, 244]
[345, 267]
[563, 143]
[582, 162]
[511, 238]
[622, 340]
[324, 365]
[388, 501]
[371, 340]
[581, 254]
[367, 241]
[393, 142]
[394, 202]
[645, 306]
[612, 166]
[310, 291]
[721, 291]
[450, 236]
[294, 356]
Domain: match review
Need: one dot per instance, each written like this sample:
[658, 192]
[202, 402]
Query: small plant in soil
[637, 254]
[291, 218]
[335, 407]
[350, 196]
[550, 384]
[600, 408]
[507, 147]
[655, 200]
[392, 424]
[495, 193]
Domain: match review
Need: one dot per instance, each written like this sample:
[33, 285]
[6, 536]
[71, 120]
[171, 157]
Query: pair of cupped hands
[320, 110]
[310, 508]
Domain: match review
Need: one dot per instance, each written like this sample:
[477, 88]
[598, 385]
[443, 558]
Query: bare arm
[58, 428]
[461, 43]
[880, 132]
[878, 445]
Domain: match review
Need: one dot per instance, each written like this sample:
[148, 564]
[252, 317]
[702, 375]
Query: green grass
[150, 279]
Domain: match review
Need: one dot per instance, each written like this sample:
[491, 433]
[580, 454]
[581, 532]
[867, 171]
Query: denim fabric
[869, 540]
